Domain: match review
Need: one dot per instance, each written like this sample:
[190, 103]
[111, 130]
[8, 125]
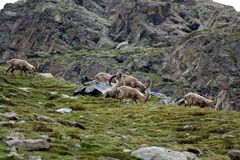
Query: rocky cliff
[192, 41]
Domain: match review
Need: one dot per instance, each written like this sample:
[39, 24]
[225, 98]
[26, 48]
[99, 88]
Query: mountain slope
[110, 127]
[190, 42]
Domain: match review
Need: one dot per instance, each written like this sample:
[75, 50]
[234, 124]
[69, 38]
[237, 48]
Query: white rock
[160, 153]
[64, 110]
[47, 75]
[127, 150]
[53, 93]
[25, 89]
[67, 96]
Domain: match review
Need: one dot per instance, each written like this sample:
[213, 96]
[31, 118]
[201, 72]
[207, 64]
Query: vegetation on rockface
[110, 126]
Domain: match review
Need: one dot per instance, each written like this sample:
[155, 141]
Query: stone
[13, 154]
[127, 150]
[76, 146]
[10, 124]
[188, 128]
[10, 115]
[93, 88]
[67, 96]
[166, 101]
[234, 154]
[160, 153]
[64, 110]
[47, 75]
[25, 89]
[15, 136]
[29, 144]
[180, 101]
[43, 118]
[28, 157]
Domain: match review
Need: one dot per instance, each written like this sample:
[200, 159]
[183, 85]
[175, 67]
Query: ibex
[133, 93]
[112, 92]
[22, 65]
[133, 82]
[196, 99]
[104, 77]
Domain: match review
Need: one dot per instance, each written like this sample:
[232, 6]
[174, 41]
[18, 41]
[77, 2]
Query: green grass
[110, 127]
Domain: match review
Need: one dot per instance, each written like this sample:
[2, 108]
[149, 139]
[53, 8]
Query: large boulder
[29, 144]
[234, 154]
[93, 88]
[159, 153]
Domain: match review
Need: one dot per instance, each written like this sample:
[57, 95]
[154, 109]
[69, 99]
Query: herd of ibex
[125, 86]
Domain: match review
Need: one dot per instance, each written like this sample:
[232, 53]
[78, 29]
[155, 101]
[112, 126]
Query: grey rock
[29, 144]
[10, 124]
[28, 157]
[64, 110]
[25, 89]
[180, 101]
[43, 118]
[10, 115]
[15, 136]
[188, 128]
[167, 101]
[76, 146]
[67, 96]
[13, 153]
[234, 154]
[159, 153]
[47, 75]
[127, 150]
[93, 88]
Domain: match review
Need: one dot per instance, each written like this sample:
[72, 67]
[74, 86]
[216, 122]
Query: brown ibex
[104, 77]
[133, 93]
[112, 92]
[133, 82]
[22, 65]
[196, 99]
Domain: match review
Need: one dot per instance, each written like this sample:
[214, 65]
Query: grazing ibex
[196, 99]
[133, 82]
[133, 93]
[22, 65]
[112, 92]
[104, 77]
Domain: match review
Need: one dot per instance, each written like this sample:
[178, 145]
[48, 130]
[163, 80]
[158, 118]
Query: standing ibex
[133, 93]
[196, 99]
[22, 65]
[133, 82]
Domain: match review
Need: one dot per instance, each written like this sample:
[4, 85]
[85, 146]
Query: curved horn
[148, 85]
[110, 80]
[147, 98]
[36, 66]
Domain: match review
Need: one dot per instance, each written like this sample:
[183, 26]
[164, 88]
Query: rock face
[194, 41]
[47, 26]
[209, 62]
[159, 153]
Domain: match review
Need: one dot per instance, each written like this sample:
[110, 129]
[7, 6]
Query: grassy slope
[111, 127]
